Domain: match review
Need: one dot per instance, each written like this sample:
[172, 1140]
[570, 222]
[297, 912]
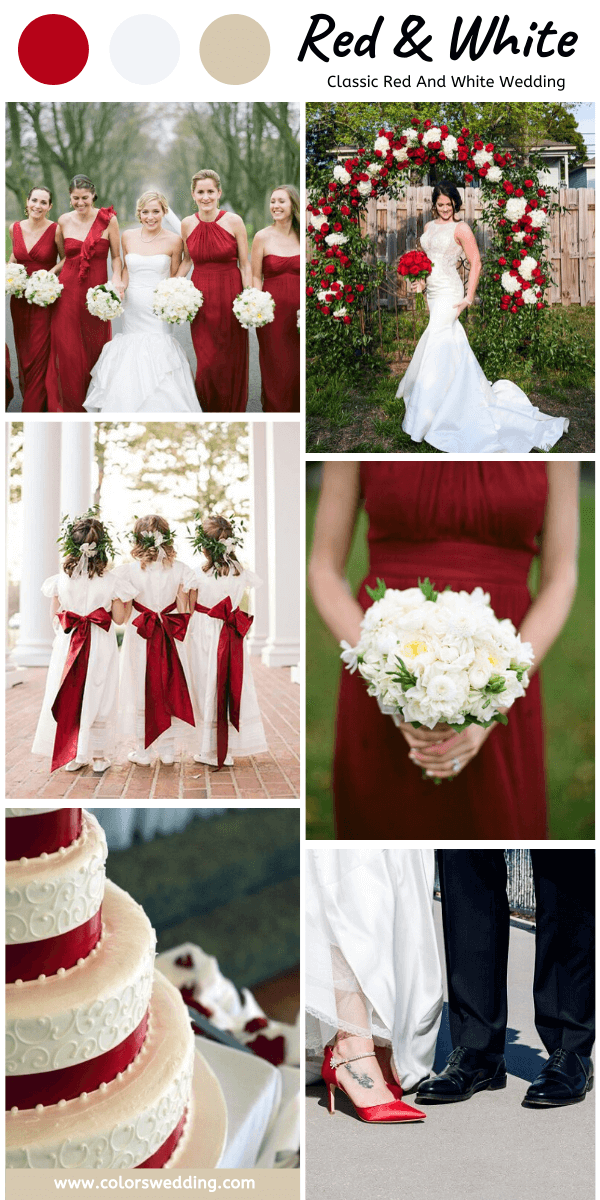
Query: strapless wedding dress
[449, 401]
[144, 368]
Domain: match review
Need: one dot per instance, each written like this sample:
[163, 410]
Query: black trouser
[476, 931]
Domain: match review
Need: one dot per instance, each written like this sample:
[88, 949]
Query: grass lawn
[361, 414]
[568, 688]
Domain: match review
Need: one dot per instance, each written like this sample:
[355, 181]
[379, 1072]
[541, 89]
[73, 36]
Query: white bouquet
[15, 279]
[176, 300]
[439, 656]
[104, 302]
[43, 288]
[253, 307]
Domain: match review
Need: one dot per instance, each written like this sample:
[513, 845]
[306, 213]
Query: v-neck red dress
[220, 342]
[465, 525]
[31, 322]
[279, 342]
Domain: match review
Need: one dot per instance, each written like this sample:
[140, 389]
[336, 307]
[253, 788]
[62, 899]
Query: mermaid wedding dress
[144, 368]
[449, 401]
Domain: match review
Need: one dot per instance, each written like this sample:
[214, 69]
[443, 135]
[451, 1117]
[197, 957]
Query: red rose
[519, 192]
[539, 304]
[330, 269]
[513, 308]
[496, 277]
[468, 178]
[325, 309]
[313, 272]
[360, 287]
[508, 187]
[528, 183]
[310, 291]
[541, 192]
[490, 147]
[501, 203]
[347, 319]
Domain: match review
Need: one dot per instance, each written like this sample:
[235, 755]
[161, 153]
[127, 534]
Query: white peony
[382, 143]
[374, 168]
[528, 266]
[411, 136]
[432, 135]
[515, 208]
[509, 282]
[494, 174]
[450, 146]
[529, 296]
[341, 174]
[481, 158]
[339, 313]
[364, 188]
[538, 218]
[519, 237]
[401, 157]
[336, 239]
[318, 220]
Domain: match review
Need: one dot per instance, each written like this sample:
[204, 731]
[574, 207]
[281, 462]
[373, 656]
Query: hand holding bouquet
[177, 300]
[15, 279]
[254, 308]
[104, 302]
[43, 288]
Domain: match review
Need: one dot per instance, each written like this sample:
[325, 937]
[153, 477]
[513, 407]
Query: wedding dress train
[449, 401]
[144, 368]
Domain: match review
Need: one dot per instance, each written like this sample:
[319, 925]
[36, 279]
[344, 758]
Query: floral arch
[515, 208]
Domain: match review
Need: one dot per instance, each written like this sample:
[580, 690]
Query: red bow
[166, 689]
[66, 709]
[230, 668]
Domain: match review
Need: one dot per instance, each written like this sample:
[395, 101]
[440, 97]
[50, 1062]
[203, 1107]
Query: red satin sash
[164, 1152]
[166, 690]
[66, 709]
[230, 668]
[27, 960]
[39, 833]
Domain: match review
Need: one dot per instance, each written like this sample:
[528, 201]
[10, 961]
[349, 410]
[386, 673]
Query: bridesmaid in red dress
[465, 525]
[217, 244]
[85, 237]
[35, 247]
[276, 268]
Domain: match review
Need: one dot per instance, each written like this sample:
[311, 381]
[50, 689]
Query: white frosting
[51, 895]
[31, 812]
[87, 1010]
[124, 1124]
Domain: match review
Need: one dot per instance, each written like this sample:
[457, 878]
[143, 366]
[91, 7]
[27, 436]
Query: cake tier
[70, 1032]
[53, 906]
[128, 1122]
[34, 831]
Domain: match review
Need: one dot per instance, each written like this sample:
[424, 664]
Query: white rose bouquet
[254, 308]
[104, 302]
[438, 657]
[177, 300]
[43, 288]
[15, 279]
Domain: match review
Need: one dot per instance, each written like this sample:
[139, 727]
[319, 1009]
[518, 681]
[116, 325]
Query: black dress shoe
[565, 1079]
[468, 1071]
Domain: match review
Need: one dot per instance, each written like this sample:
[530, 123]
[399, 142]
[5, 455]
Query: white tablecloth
[263, 1112]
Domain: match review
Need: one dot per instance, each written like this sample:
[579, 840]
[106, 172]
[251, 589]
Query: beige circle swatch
[234, 49]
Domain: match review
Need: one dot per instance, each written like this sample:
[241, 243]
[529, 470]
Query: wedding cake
[99, 1046]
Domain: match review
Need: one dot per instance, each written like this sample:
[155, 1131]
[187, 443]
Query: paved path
[488, 1148]
[183, 335]
[275, 775]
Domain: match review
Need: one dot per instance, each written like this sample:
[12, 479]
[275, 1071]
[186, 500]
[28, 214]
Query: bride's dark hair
[449, 190]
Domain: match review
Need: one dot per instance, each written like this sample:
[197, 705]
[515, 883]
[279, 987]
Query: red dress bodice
[31, 322]
[220, 342]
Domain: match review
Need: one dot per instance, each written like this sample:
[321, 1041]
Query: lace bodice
[439, 243]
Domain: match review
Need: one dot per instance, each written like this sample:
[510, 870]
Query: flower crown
[221, 550]
[103, 548]
[153, 539]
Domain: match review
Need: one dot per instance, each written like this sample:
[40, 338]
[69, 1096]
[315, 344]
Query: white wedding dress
[144, 368]
[449, 401]
[372, 965]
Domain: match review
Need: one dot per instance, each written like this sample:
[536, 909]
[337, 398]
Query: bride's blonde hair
[150, 195]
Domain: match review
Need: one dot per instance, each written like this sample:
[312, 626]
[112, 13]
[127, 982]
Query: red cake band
[48, 1087]
[164, 1152]
[30, 959]
[28, 837]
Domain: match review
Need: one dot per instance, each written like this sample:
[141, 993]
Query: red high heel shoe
[389, 1114]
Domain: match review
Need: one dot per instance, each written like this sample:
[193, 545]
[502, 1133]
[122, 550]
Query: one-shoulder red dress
[279, 342]
[77, 337]
[31, 322]
[220, 342]
[465, 525]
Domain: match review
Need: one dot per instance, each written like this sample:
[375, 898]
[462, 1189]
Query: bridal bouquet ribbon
[43, 288]
[176, 301]
[254, 308]
[66, 709]
[104, 302]
[439, 656]
[15, 279]
[166, 689]
[230, 668]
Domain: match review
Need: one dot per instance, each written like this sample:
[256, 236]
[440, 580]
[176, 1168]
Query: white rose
[509, 283]
[432, 135]
[450, 146]
[401, 157]
[318, 220]
[373, 168]
[482, 157]
[528, 266]
[341, 174]
[364, 188]
[515, 208]
[538, 218]
[518, 237]
[529, 296]
[494, 174]
[382, 143]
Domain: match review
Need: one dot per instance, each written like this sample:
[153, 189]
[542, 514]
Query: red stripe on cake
[28, 837]
[164, 1152]
[48, 1087]
[28, 960]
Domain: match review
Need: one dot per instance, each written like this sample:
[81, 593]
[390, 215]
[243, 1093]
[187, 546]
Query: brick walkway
[273, 776]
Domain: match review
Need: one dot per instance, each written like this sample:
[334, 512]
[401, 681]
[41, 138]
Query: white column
[13, 673]
[76, 467]
[41, 515]
[259, 535]
[283, 505]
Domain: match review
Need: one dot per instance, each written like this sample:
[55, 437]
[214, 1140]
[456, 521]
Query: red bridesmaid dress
[31, 322]
[77, 338]
[220, 342]
[465, 525]
[279, 342]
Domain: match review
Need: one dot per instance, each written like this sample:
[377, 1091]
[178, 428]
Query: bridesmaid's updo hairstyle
[449, 190]
[206, 173]
[218, 529]
[145, 198]
[84, 183]
[295, 201]
[40, 187]
[152, 538]
[90, 530]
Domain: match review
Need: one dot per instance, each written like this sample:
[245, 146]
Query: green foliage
[403, 676]
[428, 590]
[376, 593]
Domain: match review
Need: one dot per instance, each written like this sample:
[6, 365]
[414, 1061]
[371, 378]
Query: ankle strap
[335, 1063]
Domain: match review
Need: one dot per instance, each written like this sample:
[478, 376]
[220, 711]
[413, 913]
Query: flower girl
[154, 695]
[228, 718]
[78, 716]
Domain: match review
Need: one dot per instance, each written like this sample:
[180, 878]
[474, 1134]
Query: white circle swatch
[144, 49]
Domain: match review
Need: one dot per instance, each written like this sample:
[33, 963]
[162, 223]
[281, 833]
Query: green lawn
[568, 687]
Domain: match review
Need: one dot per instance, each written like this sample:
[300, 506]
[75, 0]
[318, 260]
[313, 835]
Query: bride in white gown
[144, 369]
[449, 401]
[372, 965]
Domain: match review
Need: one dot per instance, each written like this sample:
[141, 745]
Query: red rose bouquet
[415, 265]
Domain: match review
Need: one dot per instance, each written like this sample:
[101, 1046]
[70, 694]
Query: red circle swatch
[53, 49]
